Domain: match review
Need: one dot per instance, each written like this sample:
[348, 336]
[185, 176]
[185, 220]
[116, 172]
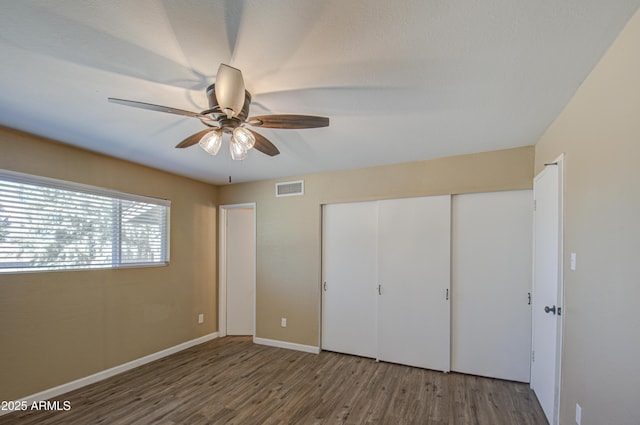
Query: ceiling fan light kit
[211, 142]
[243, 137]
[238, 152]
[228, 112]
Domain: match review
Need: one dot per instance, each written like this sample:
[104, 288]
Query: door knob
[548, 309]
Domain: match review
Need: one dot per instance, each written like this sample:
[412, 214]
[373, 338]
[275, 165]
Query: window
[48, 224]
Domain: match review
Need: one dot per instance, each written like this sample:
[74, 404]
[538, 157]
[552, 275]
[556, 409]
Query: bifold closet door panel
[414, 245]
[350, 283]
[491, 264]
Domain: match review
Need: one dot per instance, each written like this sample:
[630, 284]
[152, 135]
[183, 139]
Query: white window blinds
[48, 224]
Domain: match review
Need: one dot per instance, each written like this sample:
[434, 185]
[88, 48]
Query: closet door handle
[446, 297]
[325, 286]
[379, 289]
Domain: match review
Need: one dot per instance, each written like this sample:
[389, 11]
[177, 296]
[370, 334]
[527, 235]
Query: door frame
[559, 162]
[222, 265]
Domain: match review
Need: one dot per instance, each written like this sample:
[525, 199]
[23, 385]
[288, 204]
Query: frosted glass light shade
[229, 89]
[211, 142]
[244, 137]
[238, 152]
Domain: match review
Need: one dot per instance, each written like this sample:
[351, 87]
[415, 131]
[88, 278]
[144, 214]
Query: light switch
[573, 261]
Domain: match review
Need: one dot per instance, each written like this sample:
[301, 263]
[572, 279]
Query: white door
[491, 284]
[240, 270]
[350, 285]
[546, 288]
[414, 276]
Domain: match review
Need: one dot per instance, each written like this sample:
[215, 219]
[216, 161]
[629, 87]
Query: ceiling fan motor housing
[213, 101]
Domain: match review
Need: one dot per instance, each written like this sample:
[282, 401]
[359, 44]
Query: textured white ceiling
[400, 80]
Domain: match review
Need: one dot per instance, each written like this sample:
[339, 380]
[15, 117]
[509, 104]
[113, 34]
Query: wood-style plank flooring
[233, 381]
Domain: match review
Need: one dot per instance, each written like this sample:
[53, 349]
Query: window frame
[116, 261]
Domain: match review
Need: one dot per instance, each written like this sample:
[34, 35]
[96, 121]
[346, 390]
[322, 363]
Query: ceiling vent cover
[295, 188]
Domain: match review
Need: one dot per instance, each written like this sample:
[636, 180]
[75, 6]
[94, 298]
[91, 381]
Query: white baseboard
[287, 345]
[79, 383]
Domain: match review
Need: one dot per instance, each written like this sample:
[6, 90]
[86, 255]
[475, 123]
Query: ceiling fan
[228, 113]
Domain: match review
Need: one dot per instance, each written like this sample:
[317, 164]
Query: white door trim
[222, 266]
[559, 162]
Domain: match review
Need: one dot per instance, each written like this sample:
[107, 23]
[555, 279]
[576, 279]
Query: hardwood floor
[233, 381]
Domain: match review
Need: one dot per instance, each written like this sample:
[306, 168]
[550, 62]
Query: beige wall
[289, 228]
[56, 327]
[599, 131]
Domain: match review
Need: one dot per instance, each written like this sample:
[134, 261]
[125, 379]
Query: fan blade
[289, 121]
[153, 107]
[193, 139]
[264, 145]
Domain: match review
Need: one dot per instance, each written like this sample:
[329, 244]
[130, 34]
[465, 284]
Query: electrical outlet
[578, 414]
[283, 322]
[200, 318]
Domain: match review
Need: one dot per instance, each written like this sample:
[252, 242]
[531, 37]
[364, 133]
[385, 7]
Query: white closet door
[491, 263]
[414, 273]
[350, 285]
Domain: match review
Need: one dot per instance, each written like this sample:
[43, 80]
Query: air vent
[290, 188]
